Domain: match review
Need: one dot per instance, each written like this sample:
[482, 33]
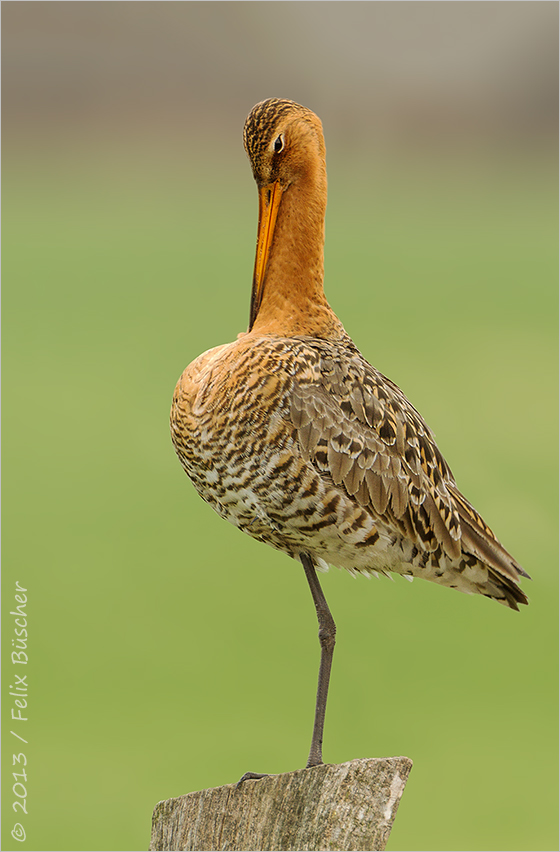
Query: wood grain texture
[346, 806]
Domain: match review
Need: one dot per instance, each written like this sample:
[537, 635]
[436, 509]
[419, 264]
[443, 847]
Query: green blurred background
[169, 653]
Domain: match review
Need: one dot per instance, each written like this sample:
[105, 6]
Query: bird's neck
[293, 300]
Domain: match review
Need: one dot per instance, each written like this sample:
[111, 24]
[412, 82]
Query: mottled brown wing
[357, 427]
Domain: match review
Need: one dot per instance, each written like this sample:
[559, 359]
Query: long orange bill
[269, 202]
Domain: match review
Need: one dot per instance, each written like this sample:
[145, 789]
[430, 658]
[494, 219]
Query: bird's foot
[251, 775]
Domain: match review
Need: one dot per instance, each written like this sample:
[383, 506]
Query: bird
[289, 433]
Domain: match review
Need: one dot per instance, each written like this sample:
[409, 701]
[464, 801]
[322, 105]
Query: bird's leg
[327, 634]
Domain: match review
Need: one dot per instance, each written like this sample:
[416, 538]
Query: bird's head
[283, 141]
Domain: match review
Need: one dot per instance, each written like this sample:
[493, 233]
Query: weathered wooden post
[346, 806]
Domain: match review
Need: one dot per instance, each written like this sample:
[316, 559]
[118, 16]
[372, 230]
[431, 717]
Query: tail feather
[478, 539]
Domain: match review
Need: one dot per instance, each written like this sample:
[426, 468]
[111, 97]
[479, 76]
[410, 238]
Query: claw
[251, 775]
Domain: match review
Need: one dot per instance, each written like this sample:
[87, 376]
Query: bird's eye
[279, 144]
